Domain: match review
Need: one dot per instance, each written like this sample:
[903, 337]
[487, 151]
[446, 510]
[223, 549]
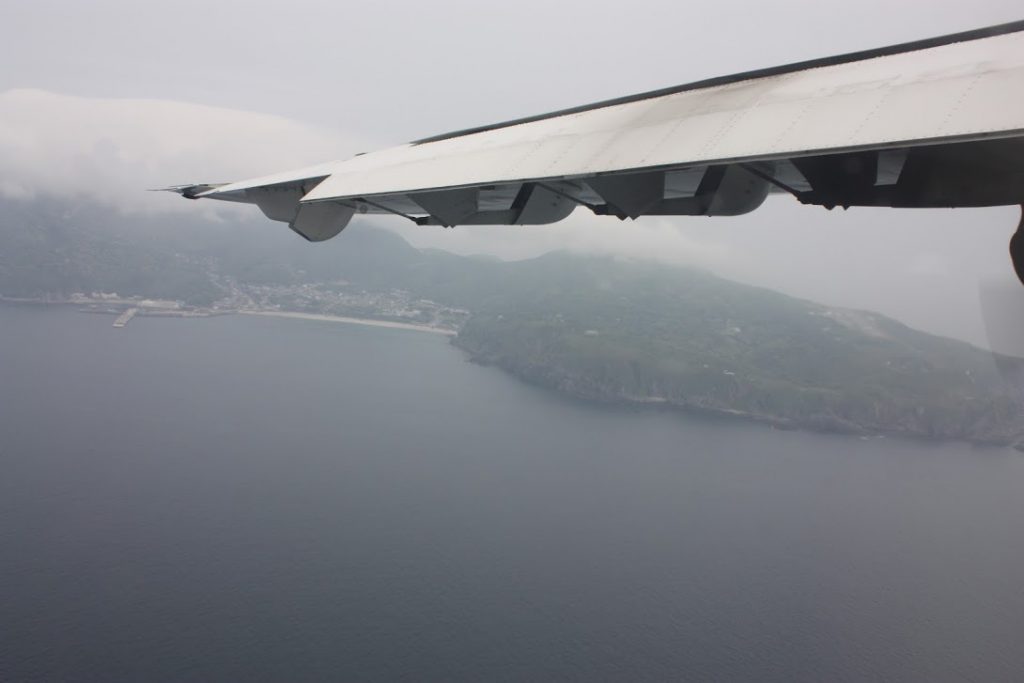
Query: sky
[105, 98]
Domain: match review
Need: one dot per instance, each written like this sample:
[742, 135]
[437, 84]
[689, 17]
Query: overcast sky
[108, 97]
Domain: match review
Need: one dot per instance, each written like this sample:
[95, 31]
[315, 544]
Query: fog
[103, 100]
[111, 150]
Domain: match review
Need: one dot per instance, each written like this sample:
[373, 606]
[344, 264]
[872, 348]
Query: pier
[123, 319]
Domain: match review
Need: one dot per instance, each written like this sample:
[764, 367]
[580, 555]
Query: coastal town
[332, 301]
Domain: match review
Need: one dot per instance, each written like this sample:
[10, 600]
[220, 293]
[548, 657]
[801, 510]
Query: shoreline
[369, 322]
[146, 311]
[779, 422]
[639, 402]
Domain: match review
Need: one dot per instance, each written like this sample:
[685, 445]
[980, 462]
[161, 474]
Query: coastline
[813, 425]
[354, 321]
[119, 306]
[810, 424]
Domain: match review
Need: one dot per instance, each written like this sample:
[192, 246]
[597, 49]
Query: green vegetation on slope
[598, 328]
[611, 330]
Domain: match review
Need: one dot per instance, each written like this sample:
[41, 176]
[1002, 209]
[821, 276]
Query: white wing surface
[938, 122]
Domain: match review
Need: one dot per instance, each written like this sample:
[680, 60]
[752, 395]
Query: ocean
[256, 499]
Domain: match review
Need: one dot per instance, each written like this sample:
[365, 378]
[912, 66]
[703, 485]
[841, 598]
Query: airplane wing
[933, 123]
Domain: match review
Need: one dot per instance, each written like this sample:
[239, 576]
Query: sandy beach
[354, 321]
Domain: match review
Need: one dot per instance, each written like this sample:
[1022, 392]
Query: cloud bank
[112, 150]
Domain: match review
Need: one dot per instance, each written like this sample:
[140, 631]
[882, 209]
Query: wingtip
[189, 191]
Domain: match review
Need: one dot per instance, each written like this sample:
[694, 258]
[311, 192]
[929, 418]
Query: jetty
[123, 319]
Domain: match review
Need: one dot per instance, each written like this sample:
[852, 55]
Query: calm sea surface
[242, 499]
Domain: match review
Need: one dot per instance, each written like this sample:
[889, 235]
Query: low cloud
[923, 267]
[657, 239]
[112, 150]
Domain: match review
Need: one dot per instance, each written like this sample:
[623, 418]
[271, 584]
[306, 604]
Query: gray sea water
[240, 499]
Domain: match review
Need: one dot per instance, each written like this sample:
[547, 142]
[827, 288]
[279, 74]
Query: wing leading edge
[935, 123]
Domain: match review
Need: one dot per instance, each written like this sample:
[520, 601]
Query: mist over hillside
[596, 327]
